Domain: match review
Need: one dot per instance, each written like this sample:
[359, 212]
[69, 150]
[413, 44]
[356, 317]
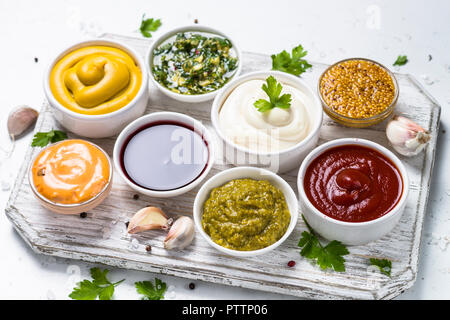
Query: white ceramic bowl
[75, 208]
[155, 118]
[239, 173]
[186, 97]
[281, 161]
[104, 125]
[351, 233]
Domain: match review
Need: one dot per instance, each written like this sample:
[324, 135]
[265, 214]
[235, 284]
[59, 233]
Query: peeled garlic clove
[147, 219]
[20, 119]
[406, 136]
[180, 234]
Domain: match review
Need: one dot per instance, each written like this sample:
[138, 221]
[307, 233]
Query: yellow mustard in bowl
[95, 80]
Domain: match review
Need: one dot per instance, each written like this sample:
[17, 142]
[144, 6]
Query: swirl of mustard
[95, 80]
[70, 172]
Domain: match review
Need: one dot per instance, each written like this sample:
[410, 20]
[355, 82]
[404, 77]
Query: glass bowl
[71, 208]
[359, 122]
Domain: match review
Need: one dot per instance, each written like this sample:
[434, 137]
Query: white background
[329, 30]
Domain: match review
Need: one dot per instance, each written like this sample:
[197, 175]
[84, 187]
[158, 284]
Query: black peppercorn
[192, 286]
[83, 215]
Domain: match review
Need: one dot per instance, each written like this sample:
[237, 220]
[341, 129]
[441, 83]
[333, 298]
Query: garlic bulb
[406, 136]
[180, 234]
[20, 120]
[147, 219]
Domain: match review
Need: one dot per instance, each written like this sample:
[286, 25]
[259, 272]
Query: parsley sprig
[148, 26]
[401, 60]
[329, 256]
[41, 139]
[294, 63]
[151, 291]
[273, 90]
[100, 287]
[384, 265]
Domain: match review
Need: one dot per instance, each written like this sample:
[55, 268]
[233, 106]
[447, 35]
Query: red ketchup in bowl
[164, 156]
[353, 183]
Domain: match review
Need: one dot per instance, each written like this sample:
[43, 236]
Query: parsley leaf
[150, 291]
[273, 90]
[401, 60]
[384, 265]
[86, 290]
[148, 26]
[100, 287]
[329, 256]
[99, 276]
[41, 139]
[293, 63]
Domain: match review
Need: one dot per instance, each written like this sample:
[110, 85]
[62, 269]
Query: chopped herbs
[273, 90]
[100, 287]
[329, 256]
[193, 63]
[41, 139]
[148, 26]
[151, 291]
[384, 265]
[293, 64]
[401, 60]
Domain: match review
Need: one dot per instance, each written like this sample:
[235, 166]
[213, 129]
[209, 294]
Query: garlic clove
[406, 136]
[147, 219]
[20, 119]
[180, 234]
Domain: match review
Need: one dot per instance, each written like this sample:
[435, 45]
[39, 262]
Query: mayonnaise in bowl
[282, 135]
[274, 130]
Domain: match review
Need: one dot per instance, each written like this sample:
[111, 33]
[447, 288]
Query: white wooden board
[102, 236]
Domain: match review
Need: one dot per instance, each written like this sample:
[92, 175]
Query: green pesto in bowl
[194, 63]
[246, 214]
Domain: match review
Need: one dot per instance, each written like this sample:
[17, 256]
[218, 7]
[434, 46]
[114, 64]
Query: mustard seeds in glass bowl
[358, 92]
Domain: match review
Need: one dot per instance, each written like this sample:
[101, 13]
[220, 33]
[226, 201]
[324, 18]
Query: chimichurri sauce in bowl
[194, 63]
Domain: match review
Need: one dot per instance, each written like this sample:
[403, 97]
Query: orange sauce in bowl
[71, 172]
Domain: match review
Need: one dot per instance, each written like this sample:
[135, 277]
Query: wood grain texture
[102, 236]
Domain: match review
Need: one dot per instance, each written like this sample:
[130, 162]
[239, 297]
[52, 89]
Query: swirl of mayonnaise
[274, 130]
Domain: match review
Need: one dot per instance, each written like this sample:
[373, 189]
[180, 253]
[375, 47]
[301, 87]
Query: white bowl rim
[70, 205]
[186, 28]
[198, 210]
[147, 118]
[90, 42]
[255, 75]
[361, 142]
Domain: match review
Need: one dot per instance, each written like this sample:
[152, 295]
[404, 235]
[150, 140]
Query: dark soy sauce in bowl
[164, 156]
